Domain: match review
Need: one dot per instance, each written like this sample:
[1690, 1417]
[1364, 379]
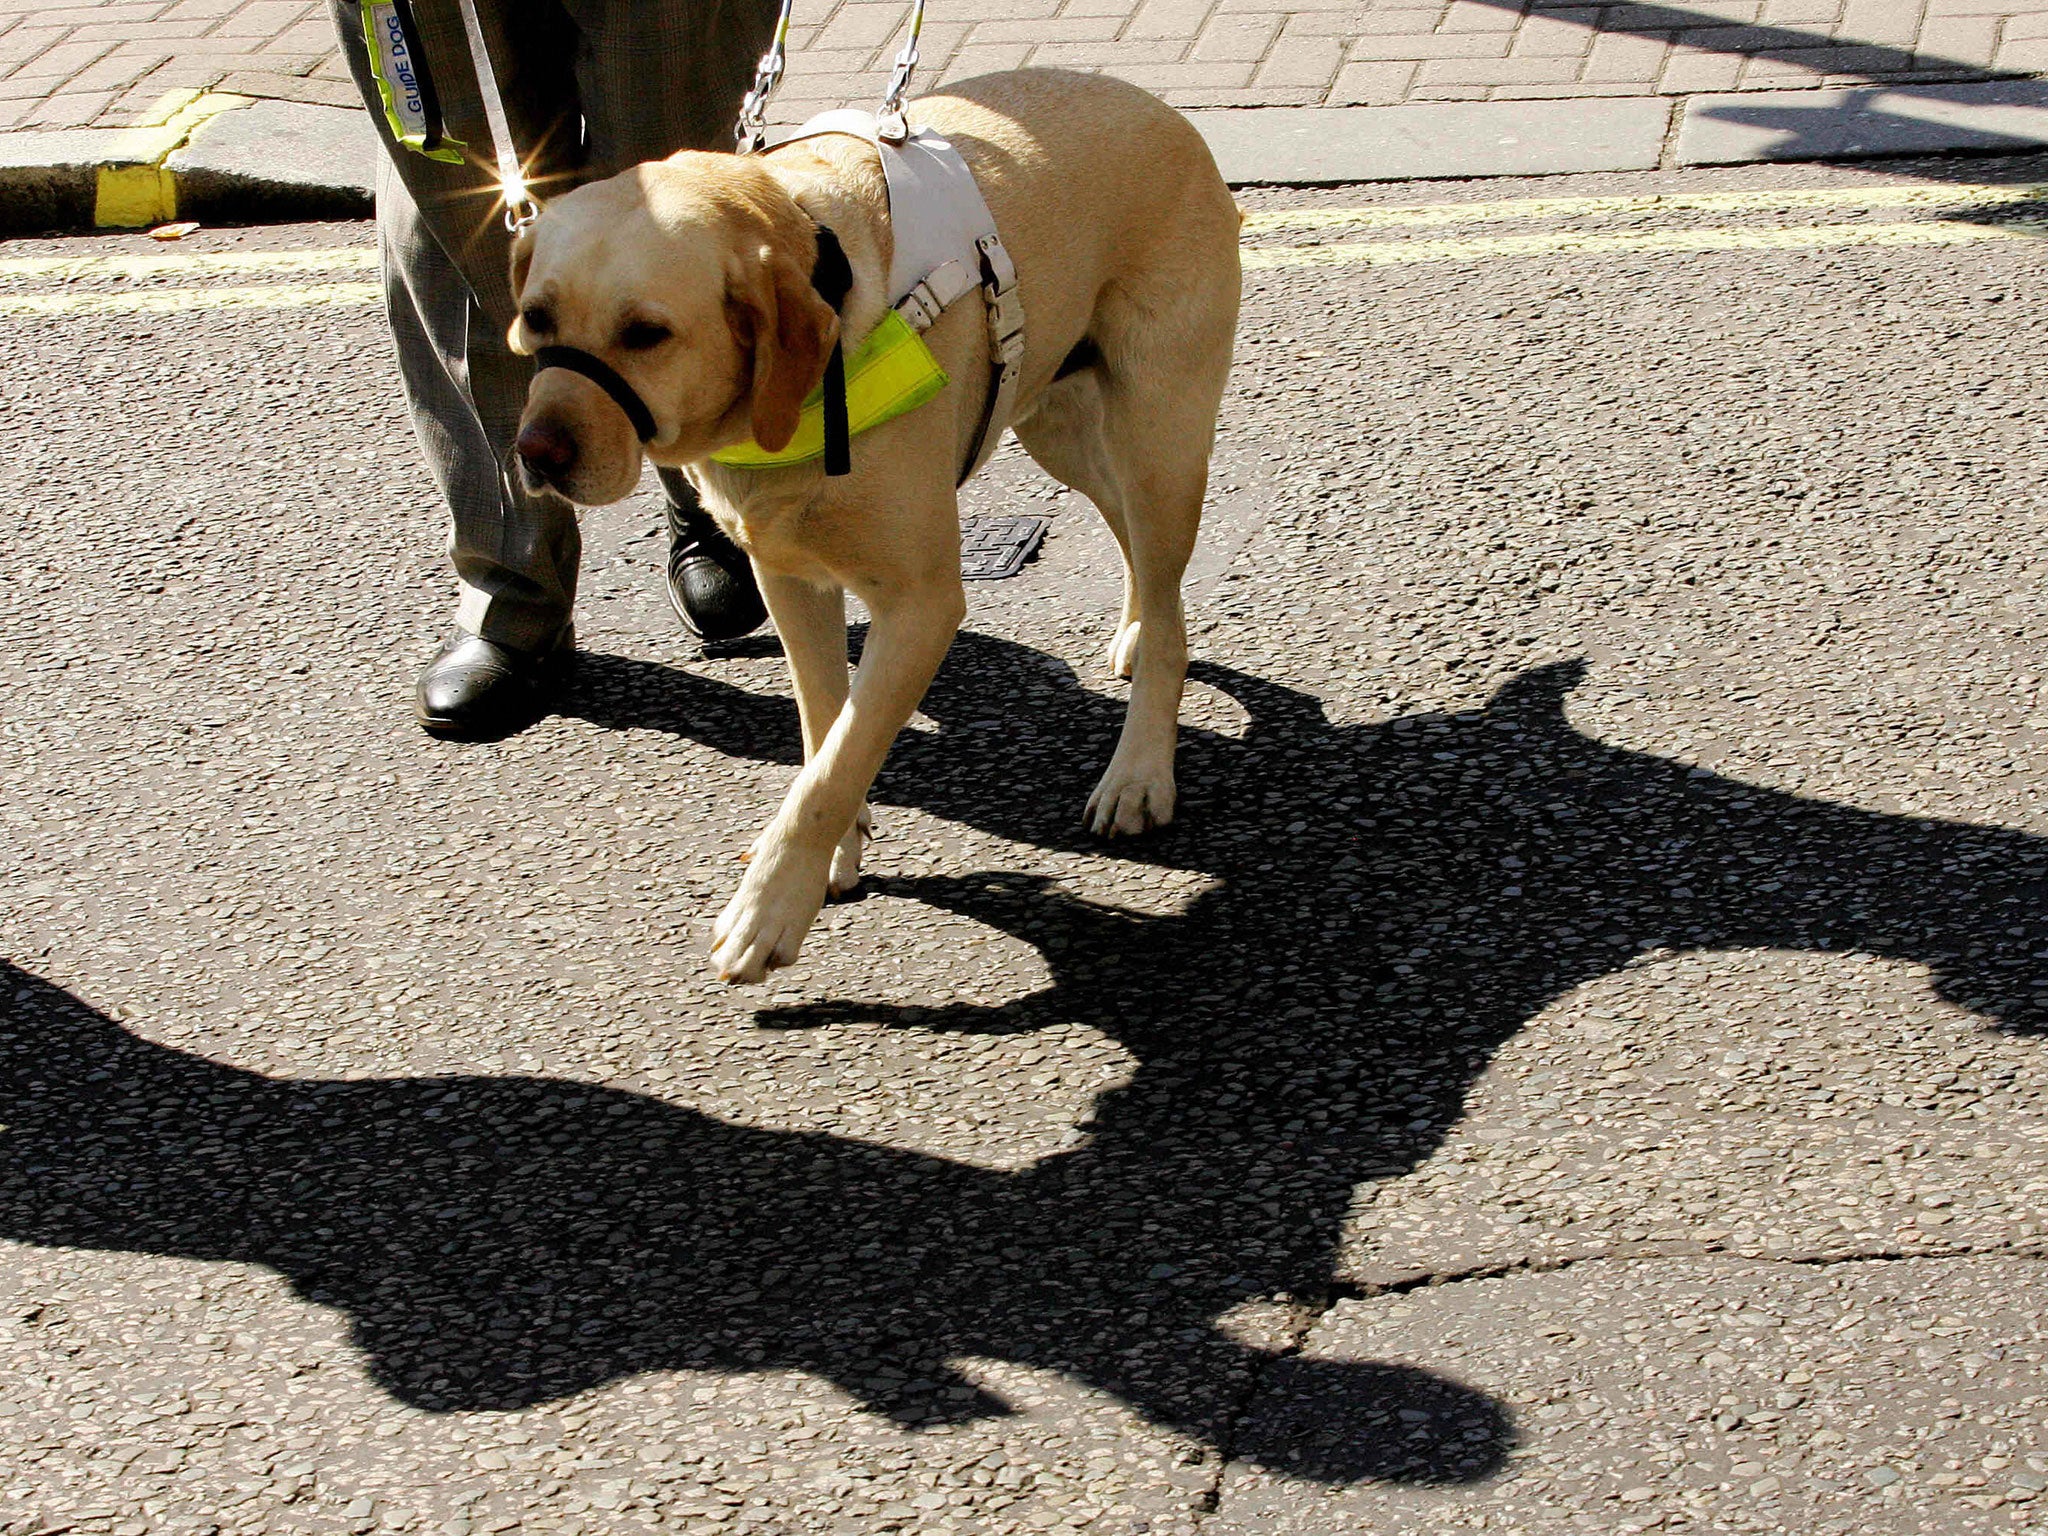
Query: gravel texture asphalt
[1575, 1065]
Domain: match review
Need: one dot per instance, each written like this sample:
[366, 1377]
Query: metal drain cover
[994, 547]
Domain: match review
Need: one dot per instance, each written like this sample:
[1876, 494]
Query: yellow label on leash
[890, 374]
[412, 107]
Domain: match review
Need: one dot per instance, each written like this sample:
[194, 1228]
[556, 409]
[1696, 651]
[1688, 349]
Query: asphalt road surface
[1576, 1065]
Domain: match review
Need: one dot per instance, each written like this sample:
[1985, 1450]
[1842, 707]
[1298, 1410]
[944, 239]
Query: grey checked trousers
[591, 87]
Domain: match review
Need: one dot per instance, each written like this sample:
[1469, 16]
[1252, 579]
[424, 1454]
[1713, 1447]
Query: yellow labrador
[691, 279]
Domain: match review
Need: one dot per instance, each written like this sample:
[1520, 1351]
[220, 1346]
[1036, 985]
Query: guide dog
[691, 279]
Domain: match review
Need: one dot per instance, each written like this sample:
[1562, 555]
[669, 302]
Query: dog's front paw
[1131, 798]
[845, 874]
[763, 926]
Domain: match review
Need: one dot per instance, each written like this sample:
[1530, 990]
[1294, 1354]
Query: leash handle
[750, 135]
[889, 122]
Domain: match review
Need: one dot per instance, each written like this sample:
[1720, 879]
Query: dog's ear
[522, 263]
[777, 315]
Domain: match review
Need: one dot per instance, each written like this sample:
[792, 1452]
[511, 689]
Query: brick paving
[109, 64]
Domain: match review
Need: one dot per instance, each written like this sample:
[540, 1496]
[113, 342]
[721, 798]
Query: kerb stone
[279, 160]
[1302, 146]
[49, 180]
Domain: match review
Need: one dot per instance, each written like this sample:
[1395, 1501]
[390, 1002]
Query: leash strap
[405, 86]
[838, 433]
[600, 373]
[832, 276]
[520, 208]
[432, 128]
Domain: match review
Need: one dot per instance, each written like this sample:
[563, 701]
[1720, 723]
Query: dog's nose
[547, 449]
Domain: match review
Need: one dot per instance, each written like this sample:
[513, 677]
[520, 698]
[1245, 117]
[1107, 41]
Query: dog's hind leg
[1064, 435]
[1152, 502]
[1141, 440]
[1162, 508]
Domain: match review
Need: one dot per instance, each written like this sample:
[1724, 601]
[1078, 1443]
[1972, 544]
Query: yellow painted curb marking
[139, 191]
[353, 259]
[167, 301]
[1400, 253]
[168, 106]
[1420, 215]
[1944, 232]
[132, 196]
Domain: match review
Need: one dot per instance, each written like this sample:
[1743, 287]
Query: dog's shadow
[1387, 905]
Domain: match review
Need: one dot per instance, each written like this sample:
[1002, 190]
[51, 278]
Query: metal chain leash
[889, 122]
[750, 135]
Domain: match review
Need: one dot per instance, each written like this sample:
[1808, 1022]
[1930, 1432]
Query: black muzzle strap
[600, 373]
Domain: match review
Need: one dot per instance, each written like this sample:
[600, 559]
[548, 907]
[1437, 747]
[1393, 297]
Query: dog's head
[690, 279]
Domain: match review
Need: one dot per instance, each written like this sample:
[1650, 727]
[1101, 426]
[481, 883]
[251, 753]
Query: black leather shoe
[475, 690]
[710, 580]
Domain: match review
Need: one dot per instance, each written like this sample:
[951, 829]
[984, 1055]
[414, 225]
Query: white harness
[946, 247]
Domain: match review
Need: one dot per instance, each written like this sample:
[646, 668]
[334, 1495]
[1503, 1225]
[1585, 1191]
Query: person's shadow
[1389, 903]
[1889, 120]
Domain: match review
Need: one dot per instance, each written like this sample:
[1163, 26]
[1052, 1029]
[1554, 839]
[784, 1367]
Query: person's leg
[588, 93]
[656, 76]
[711, 583]
[444, 249]
[515, 554]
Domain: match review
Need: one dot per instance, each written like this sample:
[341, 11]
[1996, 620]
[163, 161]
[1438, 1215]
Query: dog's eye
[640, 335]
[538, 318]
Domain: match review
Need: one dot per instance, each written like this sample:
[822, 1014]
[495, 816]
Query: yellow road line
[169, 301]
[1376, 253]
[349, 259]
[1393, 216]
[1423, 215]
[1810, 237]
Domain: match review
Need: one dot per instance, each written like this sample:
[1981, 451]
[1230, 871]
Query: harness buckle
[1006, 323]
[920, 306]
[934, 293]
[1011, 350]
[999, 293]
[1004, 310]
